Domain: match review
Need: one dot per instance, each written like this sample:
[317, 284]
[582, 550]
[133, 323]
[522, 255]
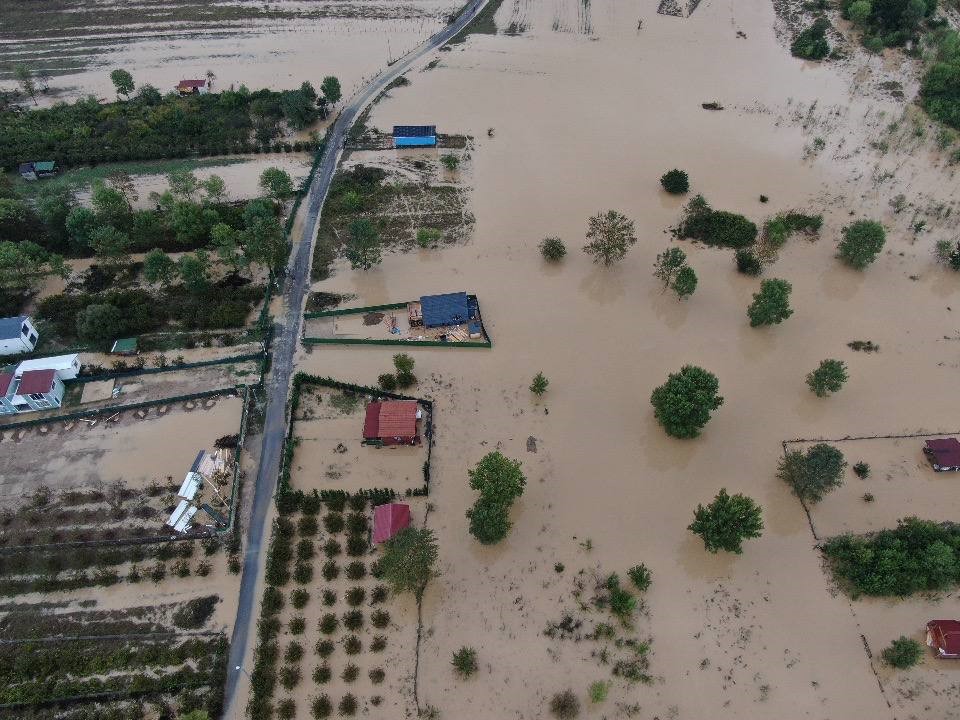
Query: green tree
[408, 560]
[858, 12]
[99, 325]
[553, 249]
[194, 270]
[403, 362]
[489, 521]
[683, 403]
[110, 246]
[225, 241]
[264, 243]
[330, 87]
[363, 245]
[685, 283]
[110, 205]
[24, 264]
[675, 182]
[123, 82]
[812, 474]
[828, 378]
[450, 161]
[726, 522]
[498, 478]
[465, 662]
[276, 183]
[610, 235]
[54, 203]
[81, 222]
[539, 385]
[668, 265]
[215, 189]
[771, 305]
[861, 243]
[158, 267]
[183, 184]
[26, 82]
[903, 653]
[299, 108]
[811, 43]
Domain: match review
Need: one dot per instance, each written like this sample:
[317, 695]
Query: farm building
[944, 637]
[392, 422]
[444, 310]
[193, 87]
[388, 520]
[414, 136]
[33, 390]
[37, 170]
[17, 335]
[943, 454]
[67, 367]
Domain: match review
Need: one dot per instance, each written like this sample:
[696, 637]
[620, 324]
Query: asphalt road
[286, 338]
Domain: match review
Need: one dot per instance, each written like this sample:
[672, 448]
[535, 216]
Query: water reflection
[603, 285]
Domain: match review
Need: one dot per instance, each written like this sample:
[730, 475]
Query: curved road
[285, 345]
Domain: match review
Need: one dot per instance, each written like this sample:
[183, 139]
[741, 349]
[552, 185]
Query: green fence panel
[404, 343]
[353, 311]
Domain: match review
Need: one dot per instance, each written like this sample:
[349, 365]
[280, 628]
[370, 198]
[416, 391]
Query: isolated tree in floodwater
[861, 243]
[539, 385]
[685, 283]
[500, 481]
[610, 235]
[770, 306]
[159, 268]
[812, 474]
[330, 87]
[668, 264]
[726, 522]
[122, 82]
[363, 245]
[683, 403]
[828, 378]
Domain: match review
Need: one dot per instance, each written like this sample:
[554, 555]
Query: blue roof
[414, 130]
[449, 309]
[428, 141]
[10, 327]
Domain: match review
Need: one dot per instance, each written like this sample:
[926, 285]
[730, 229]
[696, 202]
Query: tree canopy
[814, 473]
[363, 245]
[862, 241]
[500, 481]
[683, 403]
[122, 82]
[408, 560]
[610, 235]
[726, 522]
[276, 183]
[828, 378]
[770, 306]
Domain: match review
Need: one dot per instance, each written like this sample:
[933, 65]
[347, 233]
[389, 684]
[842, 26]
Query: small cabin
[943, 454]
[392, 422]
[944, 637]
[414, 136]
[193, 87]
[17, 335]
[37, 170]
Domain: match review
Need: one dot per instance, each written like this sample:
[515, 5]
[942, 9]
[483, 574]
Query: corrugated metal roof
[414, 130]
[44, 166]
[191, 83]
[944, 637]
[449, 309]
[945, 451]
[10, 327]
[398, 418]
[36, 381]
[388, 520]
[5, 380]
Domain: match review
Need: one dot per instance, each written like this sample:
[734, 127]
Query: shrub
[539, 385]
[299, 598]
[195, 613]
[862, 470]
[356, 545]
[813, 474]
[378, 644]
[297, 625]
[903, 653]
[622, 603]
[352, 645]
[181, 568]
[406, 379]
[348, 705]
[403, 363]
[861, 243]
[303, 573]
[357, 523]
[321, 707]
[272, 602]
[356, 570]
[203, 568]
[289, 677]
[682, 405]
[553, 249]
[598, 691]
[564, 705]
[771, 305]
[811, 43]
[675, 182]
[330, 570]
[328, 624]
[293, 653]
[465, 661]
[641, 577]
[329, 597]
[356, 596]
[428, 236]
[387, 381]
[376, 675]
[828, 378]
[716, 227]
[331, 548]
[322, 674]
[726, 522]
[378, 594]
[336, 503]
[380, 619]
[286, 709]
[353, 619]
[324, 648]
[305, 550]
[333, 522]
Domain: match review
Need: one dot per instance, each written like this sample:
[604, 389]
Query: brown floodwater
[584, 121]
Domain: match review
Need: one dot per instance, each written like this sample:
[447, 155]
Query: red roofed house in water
[943, 454]
[388, 520]
[944, 637]
[392, 422]
[193, 87]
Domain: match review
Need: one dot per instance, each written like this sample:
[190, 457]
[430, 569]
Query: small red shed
[392, 422]
[388, 520]
[944, 637]
[943, 453]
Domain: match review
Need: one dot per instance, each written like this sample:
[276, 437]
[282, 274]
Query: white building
[17, 335]
[67, 367]
[33, 390]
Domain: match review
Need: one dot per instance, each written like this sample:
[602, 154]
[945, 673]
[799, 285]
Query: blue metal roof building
[414, 135]
[10, 327]
[442, 310]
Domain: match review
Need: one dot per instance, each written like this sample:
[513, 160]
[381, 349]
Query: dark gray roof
[414, 130]
[10, 327]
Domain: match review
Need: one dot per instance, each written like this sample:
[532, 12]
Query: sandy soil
[135, 450]
[585, 121]
[330, 455]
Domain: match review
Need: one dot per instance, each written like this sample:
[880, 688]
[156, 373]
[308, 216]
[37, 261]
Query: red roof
[5, 380]
[945, 452]
[192, 83]
[390, 418]
[388, 520]
[944, 637]
[36, 381]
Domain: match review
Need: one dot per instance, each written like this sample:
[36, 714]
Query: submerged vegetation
[715, 227]
[726, 522]
[682, 405]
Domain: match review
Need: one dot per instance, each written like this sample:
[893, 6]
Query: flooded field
[571, 120]
[277, 45]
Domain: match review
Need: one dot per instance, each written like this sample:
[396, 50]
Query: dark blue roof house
[443, 310]
[414, 135]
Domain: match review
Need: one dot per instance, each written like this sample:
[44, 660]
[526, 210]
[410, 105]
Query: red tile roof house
[193, 87]
[944, 637]
[943, 454]
[388, 520]
[33, 390]
[392, 422]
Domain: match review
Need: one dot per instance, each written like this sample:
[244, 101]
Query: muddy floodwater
[572, 118]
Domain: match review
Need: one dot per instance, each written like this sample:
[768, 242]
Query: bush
[862, 470]
[322, 674]
[376, 675]
[564, 705]
[553, 249]
[356, 545]
[428, 236]
[333, 522]
[328, 624]
[682, 405]
[286, 709]
[598, 691]
[329, 597]
[813, 474]
[289, 677]
[378, 594]
[903, 653]
[861, 243]
[297, 625]
[356, 570]
[828, 378]
[357, 523]
[387, 381]
[380, 619]
[675, 182]
[770, 306]
[330, 571]
[293, 653]
[353, 619]
[378, 644]
[321, 707]
[336, 503]
[465, 661]
[716, 227]
[324, 648]
[299, 598]
[303, 573]
[356, 596]
[726, 522]
[195, 613]
[747, 262]
[352, 645]
[348, 705]
[811, 43]
[305, 550]
[272, 602]
[641, 577]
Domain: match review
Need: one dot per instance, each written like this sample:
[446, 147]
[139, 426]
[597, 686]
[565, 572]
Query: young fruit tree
[813, 474]
[675, 182]
[770, 306]
[683, 403]
[861, 243]
[539, 385]
[828, 378]
[610, 235]
[122, 82]
[553, 249]
[726, 522]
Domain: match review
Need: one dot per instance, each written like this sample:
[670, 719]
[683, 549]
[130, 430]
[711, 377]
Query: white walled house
[17, 335]
[33, 390]
[67, 367]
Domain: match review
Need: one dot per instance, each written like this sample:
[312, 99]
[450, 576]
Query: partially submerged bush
[812, 474]
[828, 378]
[565, 705]
[716, 227]
[465, 661]
[811, 43]
[861, 243]
[195, 613]
[682, 405]
[903, 653]
[675, 182]
[641, 577]
[748, 262]
[553, 249]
